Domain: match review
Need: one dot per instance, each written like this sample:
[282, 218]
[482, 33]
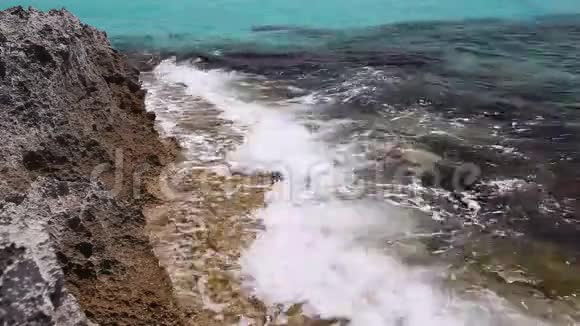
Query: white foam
[273, 140]
[509, 185]
[317, 249]
[319, 253]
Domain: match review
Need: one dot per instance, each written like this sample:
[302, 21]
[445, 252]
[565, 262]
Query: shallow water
[350, 237]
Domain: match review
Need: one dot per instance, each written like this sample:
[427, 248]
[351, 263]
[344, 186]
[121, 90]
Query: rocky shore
[78, 149]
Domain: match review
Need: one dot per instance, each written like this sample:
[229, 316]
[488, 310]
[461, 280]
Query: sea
[425, 154]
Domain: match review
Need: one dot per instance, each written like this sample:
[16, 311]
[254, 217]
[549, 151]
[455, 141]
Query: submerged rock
[78, 149]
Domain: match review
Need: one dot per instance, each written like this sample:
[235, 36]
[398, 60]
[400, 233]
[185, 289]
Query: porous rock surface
[77, 149]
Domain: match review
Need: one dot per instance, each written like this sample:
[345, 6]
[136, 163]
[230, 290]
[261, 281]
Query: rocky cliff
[77, 149]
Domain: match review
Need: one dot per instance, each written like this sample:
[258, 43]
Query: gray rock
[73, 246]
[32, 284]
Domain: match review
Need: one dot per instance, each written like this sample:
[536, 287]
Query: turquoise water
[206, 20]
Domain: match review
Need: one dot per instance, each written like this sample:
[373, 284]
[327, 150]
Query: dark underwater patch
[519, 80]
[270, 28]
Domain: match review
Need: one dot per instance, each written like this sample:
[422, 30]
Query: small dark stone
[34, 161]
[86, 249]
[15, 198]
[75, 223]
[2, 70]
[151, 116]
[277, 177]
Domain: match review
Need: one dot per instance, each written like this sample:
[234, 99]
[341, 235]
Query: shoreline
[125, 211]
[201, 221]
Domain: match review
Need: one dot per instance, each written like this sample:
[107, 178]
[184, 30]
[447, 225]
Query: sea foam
[329, 254]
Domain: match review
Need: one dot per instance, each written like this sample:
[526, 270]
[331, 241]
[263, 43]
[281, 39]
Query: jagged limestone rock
[73, 249]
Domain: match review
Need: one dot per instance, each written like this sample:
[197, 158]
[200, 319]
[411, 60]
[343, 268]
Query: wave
[336, 256]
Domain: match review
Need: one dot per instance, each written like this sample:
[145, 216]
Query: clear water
[206, 20]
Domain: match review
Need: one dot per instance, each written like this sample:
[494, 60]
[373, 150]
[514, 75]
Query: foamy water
[332, 255]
